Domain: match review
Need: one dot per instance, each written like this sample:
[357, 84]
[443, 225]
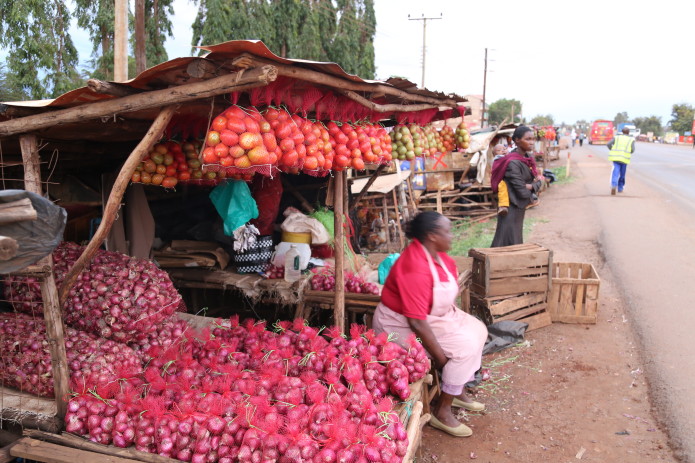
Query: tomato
[311, 163]
[221, 150]
[135, 178]
[160, 148]
[183, 176]
[157, 179]
[251, 125]
[145, 177]
[229, 137]
[161, 168]
[169, 182]
[213, 138]
[358, 164]
[168, 159]
[236, 124]
[149, 166]
[219, 123]
[171, 171]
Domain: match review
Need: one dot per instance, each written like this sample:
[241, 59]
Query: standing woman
[419, 296]
[518, 170]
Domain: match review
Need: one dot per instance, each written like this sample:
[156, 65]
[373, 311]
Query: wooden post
[339, 221]
[140, 55]
[365, 188]
[398, 218]
[114, 202]
[55, 331]
[385, 209]
[120, 36]
[567, 171]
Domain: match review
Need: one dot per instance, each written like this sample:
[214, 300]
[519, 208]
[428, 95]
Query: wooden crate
[511, 270]
[574, 294]
[530, 308]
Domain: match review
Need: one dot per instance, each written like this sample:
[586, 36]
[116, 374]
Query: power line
[424, 40]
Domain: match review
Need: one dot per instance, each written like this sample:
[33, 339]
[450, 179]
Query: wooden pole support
[238, 81]
[365, 188]
[339, 221]
[17, 211]
[114, 202]
[55, 331]
[567, 171]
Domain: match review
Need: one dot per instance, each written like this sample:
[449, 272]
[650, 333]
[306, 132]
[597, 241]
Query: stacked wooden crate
[512, 283]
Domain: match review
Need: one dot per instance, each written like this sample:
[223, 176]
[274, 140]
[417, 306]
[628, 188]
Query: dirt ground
[570, 392]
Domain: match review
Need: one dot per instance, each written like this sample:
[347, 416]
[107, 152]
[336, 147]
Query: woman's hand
[529, 186]
[423, 331]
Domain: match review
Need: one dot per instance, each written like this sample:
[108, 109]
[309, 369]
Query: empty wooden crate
[574, 294]
[509, 270]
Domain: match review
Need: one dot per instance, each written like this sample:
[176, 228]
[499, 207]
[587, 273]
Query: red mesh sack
[267, 193]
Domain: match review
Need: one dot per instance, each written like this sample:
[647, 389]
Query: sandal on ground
[472, 406]
[459, 431]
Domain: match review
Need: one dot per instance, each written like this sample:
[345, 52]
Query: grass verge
[561, 176]
[469, 234]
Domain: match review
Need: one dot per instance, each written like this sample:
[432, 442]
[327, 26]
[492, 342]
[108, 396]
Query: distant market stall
[239, 112]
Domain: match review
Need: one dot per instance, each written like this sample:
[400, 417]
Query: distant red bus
[601, 132]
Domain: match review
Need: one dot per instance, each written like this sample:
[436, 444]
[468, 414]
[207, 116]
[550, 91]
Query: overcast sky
[585, 62]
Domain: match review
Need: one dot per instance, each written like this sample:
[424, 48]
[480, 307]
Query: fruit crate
[574, 294]
[511, 270]
[530, 308]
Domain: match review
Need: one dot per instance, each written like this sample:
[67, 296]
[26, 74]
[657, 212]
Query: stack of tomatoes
[447, 136]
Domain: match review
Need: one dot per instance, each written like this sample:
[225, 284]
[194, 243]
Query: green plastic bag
[234, 203]
[385, 266]
[326, 218]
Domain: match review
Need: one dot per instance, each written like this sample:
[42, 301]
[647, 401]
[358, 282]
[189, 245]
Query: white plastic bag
[296, 222]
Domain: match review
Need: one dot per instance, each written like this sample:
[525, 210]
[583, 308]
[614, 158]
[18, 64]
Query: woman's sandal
[472, 406]
[459, 431]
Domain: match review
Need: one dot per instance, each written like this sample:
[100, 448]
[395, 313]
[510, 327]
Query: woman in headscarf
[419, 297]
[518, 170]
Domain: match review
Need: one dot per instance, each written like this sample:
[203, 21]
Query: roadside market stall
[93, 129]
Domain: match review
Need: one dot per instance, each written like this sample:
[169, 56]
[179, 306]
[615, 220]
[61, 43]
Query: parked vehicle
[634, 131]
[601, 132]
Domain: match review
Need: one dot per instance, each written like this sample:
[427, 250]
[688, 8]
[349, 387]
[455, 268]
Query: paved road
[648, 239]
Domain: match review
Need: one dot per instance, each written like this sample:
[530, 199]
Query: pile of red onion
[324, 280]
[116, 297]
[240, 392]
[26, 360]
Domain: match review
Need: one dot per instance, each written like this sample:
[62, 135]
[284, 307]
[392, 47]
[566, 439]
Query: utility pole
[120, 36]
[424, 41]
[482, 116]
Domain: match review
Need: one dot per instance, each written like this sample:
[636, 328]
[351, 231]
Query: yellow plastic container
[290, 237]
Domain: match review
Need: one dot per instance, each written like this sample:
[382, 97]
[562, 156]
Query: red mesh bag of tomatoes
[240, 140]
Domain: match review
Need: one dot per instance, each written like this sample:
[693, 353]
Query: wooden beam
[109, 88]
[80, 443]
[239, 81]
[293, 191]
[32, 449]
[339, 221]
[365, 188]
[296, 72]
[114, 202]
[386, 108]
[17, 211]
[201, 68]
[55, 331]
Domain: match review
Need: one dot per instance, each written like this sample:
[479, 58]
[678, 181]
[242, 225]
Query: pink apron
[461, 336]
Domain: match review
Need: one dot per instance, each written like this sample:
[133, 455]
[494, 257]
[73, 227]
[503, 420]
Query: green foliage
[620, 118]
[649, 124]
[543, 120]
[157, 28]
[97, 17]
[469, 235]
[8, 91]
[42, 59]
[682, 118]
[504, 109]
[324, 30]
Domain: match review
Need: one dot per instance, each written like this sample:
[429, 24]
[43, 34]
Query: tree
[9, 92]
[682, 118]
[649, 124]
[543, 120]
[504, 109]
[42, 59]
[620, 118]
[335, 30]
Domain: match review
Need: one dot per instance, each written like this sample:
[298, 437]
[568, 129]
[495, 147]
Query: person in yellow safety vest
[621, 149]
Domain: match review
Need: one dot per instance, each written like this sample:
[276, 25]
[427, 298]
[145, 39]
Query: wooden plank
[49, 293]
[237, 81]
[339, 221]
[565, 301]
[365, 188]
[513, 303]
[519, 314]
[8, 248]
[17, 211]
[579, 306]
[5, 456]
[537, 321]
[583, 319]
[520, 272]
[398, 218]
[412, 431]
[81, 443]
[33, 449]
[517, 285]
[114, 202]
[518, 260]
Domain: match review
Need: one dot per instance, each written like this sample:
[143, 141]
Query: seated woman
[419, 296]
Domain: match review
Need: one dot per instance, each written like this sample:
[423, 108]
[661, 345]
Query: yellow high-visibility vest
[621, 150]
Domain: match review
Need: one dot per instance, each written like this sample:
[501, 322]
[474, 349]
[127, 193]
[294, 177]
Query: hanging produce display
[462, 136]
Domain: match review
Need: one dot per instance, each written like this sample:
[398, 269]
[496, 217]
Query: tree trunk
[140, 54]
